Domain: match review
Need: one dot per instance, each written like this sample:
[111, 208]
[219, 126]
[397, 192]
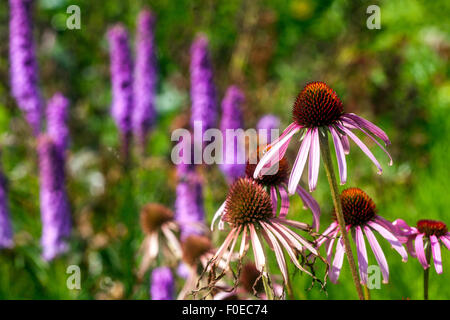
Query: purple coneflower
[122, 82]
[145, 78]
[24, 69]
[159, 227]
[268, 123]
[277, 183]
[361, 219]
[248, 210]
[233, 153]
[55, 209]
[57, 113]
[6, 234]
[317, 110]
[427, 237]
[162, 284]
[203, 91]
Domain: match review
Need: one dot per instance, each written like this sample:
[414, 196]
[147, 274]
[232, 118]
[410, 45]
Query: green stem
[267, 289]
[326, 156]
[426, 272]
[366, 293]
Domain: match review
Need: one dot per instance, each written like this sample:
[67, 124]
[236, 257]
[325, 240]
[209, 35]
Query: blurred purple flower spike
[6, 234]
[162, 284]
[268, 122]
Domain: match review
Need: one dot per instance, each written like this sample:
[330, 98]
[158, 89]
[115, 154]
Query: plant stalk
[426, 272]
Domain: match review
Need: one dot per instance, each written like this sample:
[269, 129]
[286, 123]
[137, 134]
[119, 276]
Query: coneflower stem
[426, 272]
[326, 156]
[267, 289]
[366, 293]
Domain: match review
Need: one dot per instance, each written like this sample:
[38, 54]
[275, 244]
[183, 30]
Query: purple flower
[24, 69]
[268, 122]
[145, 78]
[6, 234]
[57, 113]
[122, 81]
[162, 284]
[233, 165]
[55, 211]
[189, 210]
[203, 91]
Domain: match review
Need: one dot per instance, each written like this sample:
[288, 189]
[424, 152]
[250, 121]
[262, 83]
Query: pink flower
[361, 219]
[427, 233]
[248, 210]
[318, 109]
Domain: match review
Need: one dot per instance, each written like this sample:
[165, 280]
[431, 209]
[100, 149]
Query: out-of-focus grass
[396, 77]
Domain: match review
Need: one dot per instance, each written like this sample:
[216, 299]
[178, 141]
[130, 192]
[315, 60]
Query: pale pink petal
[292, 223]
[329, 246]
[378, 252]
[363, 147]
[220, 252]
[340, 155]
[272, 156]
[369, 126]
[436, 249]
[278, 252]
[345, 144]
[446, 241]
[291, 234]
[227, 257]
[420, 251]
[312, 204]
[299, 163]
[284, 202]
[337, 262]
[244, 243]
[325, 235]
[362, 254]
[410, 247]
[218, 214]
[274, 199]
[258, 252]
[396, 244]
[314, 160]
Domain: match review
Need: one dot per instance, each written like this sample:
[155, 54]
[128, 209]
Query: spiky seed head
[357, 206]
[193, 247]
[432, 227]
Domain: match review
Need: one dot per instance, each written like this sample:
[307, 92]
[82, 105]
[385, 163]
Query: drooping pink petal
[378, 252]
[220, 252]
[340, 155]
[420, 251]
[369, 126]
[284, 202]
[337, 262]
[218, 214]
[278, 253]
[374, 140]
[325, 235]
[299, 163]
[273, 156]
[436, 249]
[274, 199]
[446, 241]
[410, 247]
[312, 204]
[363, 147]
[329, 246]
[396, 244]
[345, 144]
[292, 223]
[244, 243]
[291, 235]
[314, 160]
[258, 252]
[362, 254]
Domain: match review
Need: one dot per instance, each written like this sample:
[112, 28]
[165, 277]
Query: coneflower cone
[268, 123]
[203, 91]
[23, 63]
[145, 74]
[162, 284]
[6, 234]
[233, 165]
[121, 69]
[189, 208]
[57, 113]
[55, 210]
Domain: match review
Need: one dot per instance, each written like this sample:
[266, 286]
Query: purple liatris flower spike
[189, 209]
[145, 78]
[57, 112]
[55, 211]
[203, 91]
[233, 165]
[24, 70]
[265, 126]
[6, 234]
[162, 284]
[122, 82]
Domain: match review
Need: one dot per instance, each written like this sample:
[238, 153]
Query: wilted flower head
[55, 209]
[316, 111]
[361, 218]
[159, 227]
[6, 233]
[203, 91]
[122, 81]
[162, 284]
[419, 239]
[145, 73]
[232, 120]
[248, 210]
[23, 63]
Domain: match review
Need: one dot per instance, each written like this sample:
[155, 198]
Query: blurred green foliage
[397, 76]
